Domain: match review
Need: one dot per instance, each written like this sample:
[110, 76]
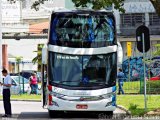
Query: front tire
[52, 113]
[109, 114]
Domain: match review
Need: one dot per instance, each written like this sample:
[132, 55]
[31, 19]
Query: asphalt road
[33, 110]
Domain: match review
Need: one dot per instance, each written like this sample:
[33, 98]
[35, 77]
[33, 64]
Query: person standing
[34, 84]
[6, 93]
[120, 77]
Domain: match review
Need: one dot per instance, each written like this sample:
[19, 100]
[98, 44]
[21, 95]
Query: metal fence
[134, 76]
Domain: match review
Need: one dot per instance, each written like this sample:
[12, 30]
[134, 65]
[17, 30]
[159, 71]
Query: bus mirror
[119, 54]
[44, 54]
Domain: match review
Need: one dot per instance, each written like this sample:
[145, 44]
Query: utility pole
[0, 40]
[144, 74]
[143, 45]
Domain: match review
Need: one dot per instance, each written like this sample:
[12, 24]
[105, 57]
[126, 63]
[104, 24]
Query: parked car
[27, 74]
[17, 81]
[17, 86]
[155, 78]
[39, 76]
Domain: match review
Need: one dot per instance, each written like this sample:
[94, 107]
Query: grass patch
[153, 87]
[135, 103]
[25, 97]
[136, 87]
[131, 87]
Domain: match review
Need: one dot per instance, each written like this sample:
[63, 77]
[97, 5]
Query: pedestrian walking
[34, 84]
[120, 77]
[6, 93]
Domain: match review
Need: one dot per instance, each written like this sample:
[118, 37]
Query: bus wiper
[67, 81]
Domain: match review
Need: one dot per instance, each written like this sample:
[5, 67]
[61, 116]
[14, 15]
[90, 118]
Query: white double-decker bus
[80, 62]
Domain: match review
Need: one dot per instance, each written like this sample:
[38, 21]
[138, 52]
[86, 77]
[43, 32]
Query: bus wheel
[109, 114]
[52, 113]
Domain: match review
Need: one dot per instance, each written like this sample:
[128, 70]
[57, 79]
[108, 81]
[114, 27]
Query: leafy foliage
[37, 3]
[38, 58]
[97, 4]
[157, 52]
[156, 4]
[35, 59]
[153, 87]
[19, 59]
[133, 106]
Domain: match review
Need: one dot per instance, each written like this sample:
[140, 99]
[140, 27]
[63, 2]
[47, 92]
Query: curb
[123, 108]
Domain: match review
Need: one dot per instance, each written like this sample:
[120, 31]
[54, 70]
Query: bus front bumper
[65, 105]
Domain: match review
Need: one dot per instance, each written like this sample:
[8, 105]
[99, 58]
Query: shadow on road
[33, 115]
[75, 115]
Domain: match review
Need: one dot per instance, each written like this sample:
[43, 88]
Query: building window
[154, 19]
[132, 19]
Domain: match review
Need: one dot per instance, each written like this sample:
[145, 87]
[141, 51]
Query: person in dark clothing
[6, 93]
[120, 77]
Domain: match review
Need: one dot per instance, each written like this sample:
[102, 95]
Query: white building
[12, 18]
[18, 19]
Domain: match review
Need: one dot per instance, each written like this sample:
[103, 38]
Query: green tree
[38, 58]
[98, 4]
[18, 60]
[156, 4]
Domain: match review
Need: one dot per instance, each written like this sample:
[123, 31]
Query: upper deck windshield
[82, 29]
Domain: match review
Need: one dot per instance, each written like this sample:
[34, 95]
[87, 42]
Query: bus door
[44, 85]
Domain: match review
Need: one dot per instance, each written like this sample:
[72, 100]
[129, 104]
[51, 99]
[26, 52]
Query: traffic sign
[142, 32]
[129, 49]
[143, 45]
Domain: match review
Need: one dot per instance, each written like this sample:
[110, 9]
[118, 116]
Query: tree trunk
[156, 4]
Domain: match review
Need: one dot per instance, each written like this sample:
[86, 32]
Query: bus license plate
[81, 106]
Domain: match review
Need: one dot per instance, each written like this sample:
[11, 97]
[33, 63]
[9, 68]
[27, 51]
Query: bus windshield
[91, 29]
[82, 71]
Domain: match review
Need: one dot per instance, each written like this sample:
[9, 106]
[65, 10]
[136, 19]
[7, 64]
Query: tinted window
[20, 79]
[87, 72]
[82, 30]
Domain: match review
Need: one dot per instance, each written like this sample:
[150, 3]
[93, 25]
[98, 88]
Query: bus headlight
[112, 103]
[57, 95]
[109, 95]
[108, 104]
